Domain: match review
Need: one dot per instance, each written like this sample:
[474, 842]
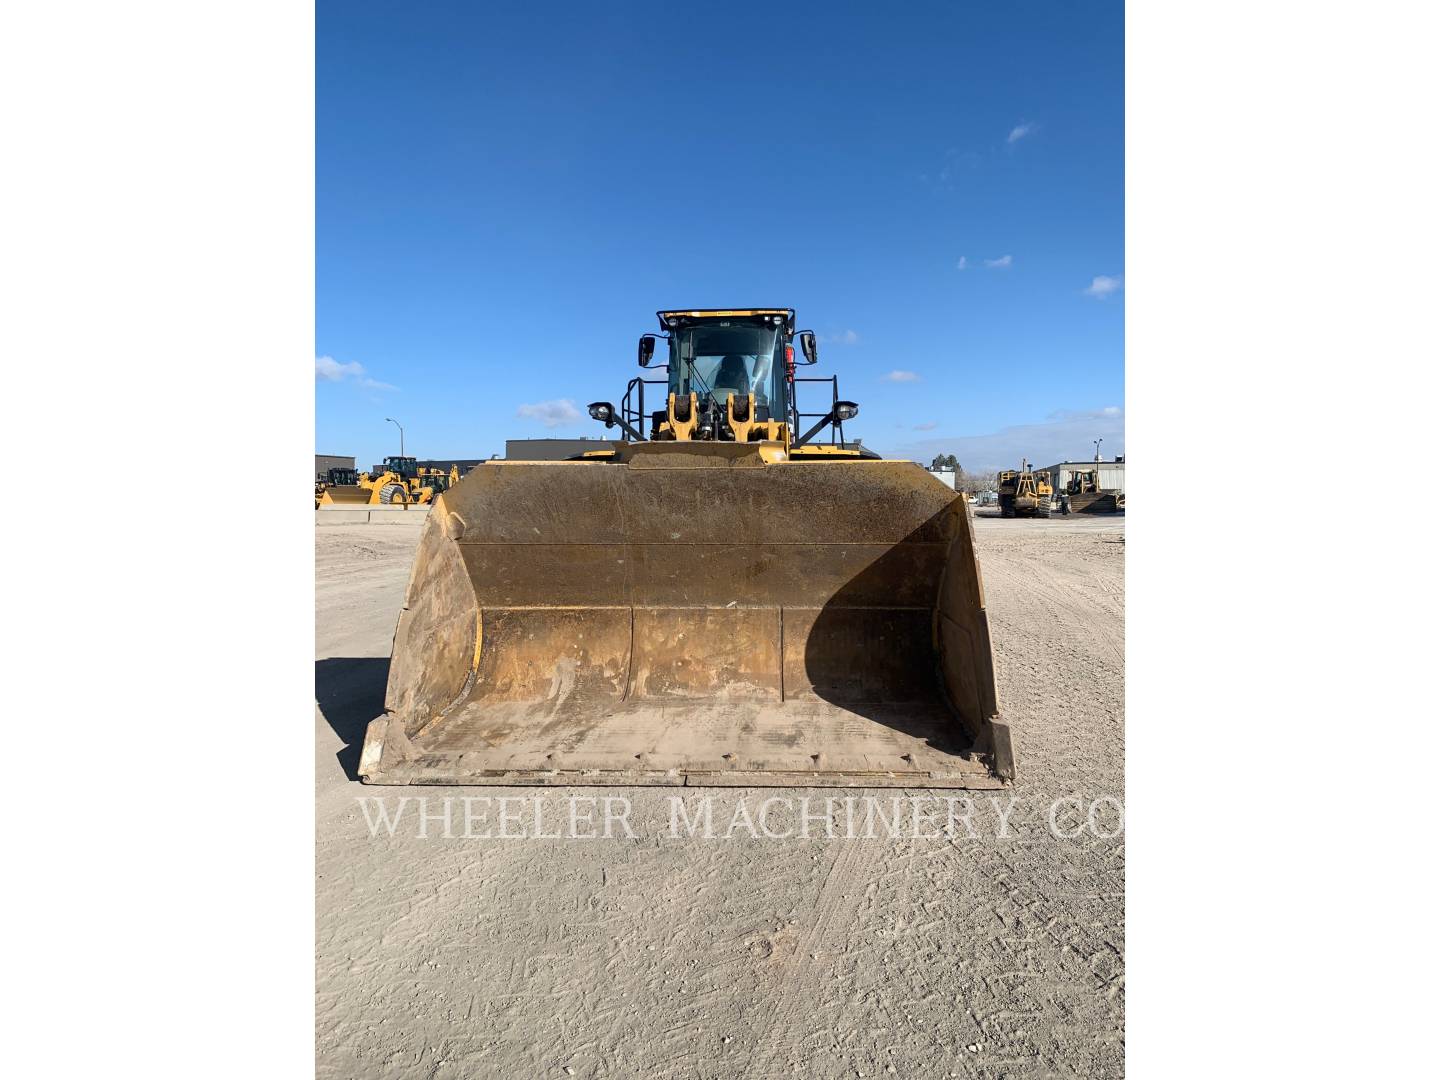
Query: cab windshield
[720, 360]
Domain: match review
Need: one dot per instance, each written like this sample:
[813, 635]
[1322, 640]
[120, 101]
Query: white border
[1281, 298]
[158, 340]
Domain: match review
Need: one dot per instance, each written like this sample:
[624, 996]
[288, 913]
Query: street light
[1097, 450]
[402, 435]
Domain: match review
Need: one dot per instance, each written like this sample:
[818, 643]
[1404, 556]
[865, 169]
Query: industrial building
[325, 462]
[550, 449]
[445, 464]
[1112, 473]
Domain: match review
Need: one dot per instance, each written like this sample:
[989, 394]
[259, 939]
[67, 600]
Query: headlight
[846, 410]
[602, 411]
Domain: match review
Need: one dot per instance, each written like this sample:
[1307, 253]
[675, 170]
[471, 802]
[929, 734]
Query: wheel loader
[1024, 492]
[729, 593]
[429, 483]
[399, 482]
[338, 480]
[396, 483]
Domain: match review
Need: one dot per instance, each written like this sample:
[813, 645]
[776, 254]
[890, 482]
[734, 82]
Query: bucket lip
[387, 758]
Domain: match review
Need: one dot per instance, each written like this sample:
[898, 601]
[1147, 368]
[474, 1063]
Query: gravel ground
[663, 955]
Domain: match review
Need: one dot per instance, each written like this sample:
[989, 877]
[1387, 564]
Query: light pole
[402, 434]
[1097, 450]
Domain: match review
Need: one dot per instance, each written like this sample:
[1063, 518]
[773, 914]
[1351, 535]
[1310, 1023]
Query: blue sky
[506, 193]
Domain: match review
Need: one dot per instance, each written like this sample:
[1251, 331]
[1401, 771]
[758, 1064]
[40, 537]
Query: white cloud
[952, 164]
[331, 370]
[1086, 414]
[963, 263]
[1102, 287]
[328, 369]
[1019, 131]
[1064, 435]
[1002, 262]
[929, 425]
[845, 337]
[901, 376]
[550, 413]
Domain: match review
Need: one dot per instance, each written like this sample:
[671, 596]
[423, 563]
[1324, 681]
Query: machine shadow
[350, 692]
[870, 653]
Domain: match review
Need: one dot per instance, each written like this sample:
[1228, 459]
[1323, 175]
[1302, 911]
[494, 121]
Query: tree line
[970, 483]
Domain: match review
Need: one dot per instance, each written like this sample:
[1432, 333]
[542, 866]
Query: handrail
[635, 414]
[837, 427]
[632, 406]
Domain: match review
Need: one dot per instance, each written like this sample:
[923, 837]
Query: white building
[1112, 473]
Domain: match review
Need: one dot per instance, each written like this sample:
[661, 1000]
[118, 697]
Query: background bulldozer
[719, 597]
[1083, 495]
[1024, 493]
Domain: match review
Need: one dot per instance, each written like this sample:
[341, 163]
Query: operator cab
[717, 354]
[718, 361]
[403, 467]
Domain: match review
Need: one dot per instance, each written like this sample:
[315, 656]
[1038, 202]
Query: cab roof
[669, 318]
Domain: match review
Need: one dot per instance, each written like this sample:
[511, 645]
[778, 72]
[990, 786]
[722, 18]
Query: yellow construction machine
[339, 486]
[396, 483]
[399, 482]
[428, 483]
[1024, 492]
[730, 593]
[1083, 495]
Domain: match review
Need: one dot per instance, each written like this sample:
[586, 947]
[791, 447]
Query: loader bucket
[692, 613]
[345, 495]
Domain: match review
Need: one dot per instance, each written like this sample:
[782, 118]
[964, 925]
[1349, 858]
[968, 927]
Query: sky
[507, 193]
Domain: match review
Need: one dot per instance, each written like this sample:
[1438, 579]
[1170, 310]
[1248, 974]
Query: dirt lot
[663, 955]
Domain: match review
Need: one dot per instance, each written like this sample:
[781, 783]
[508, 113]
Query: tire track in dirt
[1033, 585]
[836, 907]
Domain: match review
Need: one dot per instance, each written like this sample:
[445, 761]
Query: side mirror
[647, 349]
[808, 346]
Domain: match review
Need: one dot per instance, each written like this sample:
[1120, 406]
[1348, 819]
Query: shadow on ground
[351, 692]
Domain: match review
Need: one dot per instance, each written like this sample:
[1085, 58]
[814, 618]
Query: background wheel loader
[1024, 493]
[723, 599]
[429, 483]
[400, 482]
[405, 483]
[342, 481]
[397, 483]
